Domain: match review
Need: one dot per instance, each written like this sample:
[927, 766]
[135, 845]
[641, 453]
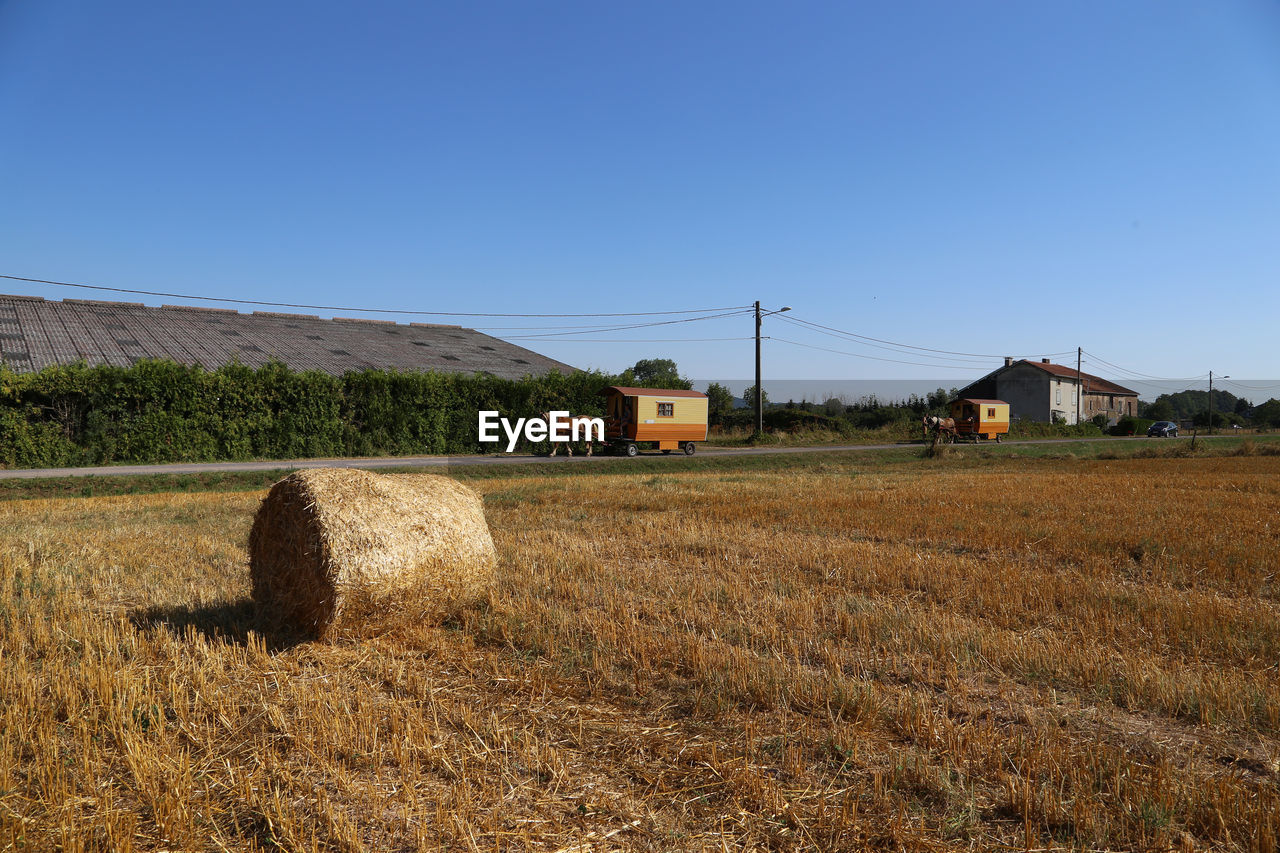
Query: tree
[937, 400]
[1202, 418]
[719, 402]
[749, 397]
[1189, 403]
[834, 407]
[1267, 414]
[1161, 410]
[659, 373]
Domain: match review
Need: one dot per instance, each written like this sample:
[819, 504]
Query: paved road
[445, 461]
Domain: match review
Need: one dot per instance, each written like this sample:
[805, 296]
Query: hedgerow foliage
[159, 411]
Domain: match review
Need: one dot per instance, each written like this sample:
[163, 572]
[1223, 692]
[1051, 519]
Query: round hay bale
[337, 546]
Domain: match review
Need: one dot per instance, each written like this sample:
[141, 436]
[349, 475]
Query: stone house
[1044, 391]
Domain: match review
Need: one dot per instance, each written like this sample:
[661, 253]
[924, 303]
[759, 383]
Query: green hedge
[1040, 429]
[159, 411]
[1131, 426]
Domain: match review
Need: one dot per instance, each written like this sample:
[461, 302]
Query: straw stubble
[343, 548]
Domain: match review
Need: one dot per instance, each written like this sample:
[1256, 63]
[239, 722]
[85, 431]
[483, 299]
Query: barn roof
[629, 391]
[36, 333]
[1092, 384]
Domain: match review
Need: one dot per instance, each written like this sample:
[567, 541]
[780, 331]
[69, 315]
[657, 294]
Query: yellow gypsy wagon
[670, 419]
[981, 418]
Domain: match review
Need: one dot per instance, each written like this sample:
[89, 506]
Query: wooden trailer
[980, 419]
[671, 420]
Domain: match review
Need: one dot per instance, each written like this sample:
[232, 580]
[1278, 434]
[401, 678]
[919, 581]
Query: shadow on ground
[227, 622]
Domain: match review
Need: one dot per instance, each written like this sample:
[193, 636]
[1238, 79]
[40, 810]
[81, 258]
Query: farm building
[36, 333]
[1043, 391]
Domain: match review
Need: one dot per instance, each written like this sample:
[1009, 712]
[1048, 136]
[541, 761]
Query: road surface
[449, 461]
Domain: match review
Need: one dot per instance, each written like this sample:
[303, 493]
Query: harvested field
[950, 654]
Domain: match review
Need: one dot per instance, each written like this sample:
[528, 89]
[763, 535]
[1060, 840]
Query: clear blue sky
[978, 177]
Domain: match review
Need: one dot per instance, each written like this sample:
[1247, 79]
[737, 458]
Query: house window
[1058, 389]
[991, 413]
[666, 410]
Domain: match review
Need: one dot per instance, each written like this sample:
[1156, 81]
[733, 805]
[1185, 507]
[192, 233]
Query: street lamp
[759, 387]
[1211, 399]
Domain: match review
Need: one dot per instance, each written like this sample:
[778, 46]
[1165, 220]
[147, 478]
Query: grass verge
[803, 459]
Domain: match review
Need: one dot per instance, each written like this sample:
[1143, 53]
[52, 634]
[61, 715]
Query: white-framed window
[666, 410]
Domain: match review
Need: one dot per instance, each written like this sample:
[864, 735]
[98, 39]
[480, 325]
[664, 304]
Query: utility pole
[1210, 402]
[1079, 384]
[759, 391]
[1211, 399]
[759, 383]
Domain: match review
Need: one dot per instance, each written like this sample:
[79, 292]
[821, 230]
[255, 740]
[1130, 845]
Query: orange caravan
[981, 418]
[670, 419]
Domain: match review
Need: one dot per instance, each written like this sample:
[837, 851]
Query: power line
[643, 340]
[871, 357]
[562, 335]
[856, 336]
[858, 339]
[586, 328]
[361, 310]
[1152, 380]
[966, 362]
[1101, 360]
[1249, 387]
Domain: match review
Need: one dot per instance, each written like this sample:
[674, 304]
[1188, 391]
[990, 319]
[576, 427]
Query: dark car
[1163, 429]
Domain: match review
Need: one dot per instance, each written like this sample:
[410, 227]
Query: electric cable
[856, 336]
[870, 357]
[362, 310]
[643, 340]
[1101, 360]
[562, 335]
[894, 349]
[1236, 384]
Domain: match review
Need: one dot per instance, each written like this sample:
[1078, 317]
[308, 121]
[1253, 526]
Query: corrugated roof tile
[121, 333]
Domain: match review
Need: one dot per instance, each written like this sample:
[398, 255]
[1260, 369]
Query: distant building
[36, 333]
[1043, 391]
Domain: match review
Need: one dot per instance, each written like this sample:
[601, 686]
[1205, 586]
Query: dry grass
[1030, 654]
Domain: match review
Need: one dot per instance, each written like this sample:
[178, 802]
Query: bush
[795, 420]
[160, 411]
[1131, 426]
[1040, 429]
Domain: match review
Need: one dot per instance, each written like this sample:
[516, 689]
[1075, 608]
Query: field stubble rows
[1034, 653]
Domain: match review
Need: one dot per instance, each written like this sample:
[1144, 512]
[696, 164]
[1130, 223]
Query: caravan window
[666, 410]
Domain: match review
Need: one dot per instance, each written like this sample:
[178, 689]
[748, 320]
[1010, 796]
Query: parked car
[1163, 429]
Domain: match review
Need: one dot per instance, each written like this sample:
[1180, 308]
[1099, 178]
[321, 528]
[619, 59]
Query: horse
[943, 428]
[581, 423]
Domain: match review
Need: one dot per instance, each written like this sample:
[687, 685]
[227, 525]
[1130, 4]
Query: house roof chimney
[1044, 361]
[1008, 360]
